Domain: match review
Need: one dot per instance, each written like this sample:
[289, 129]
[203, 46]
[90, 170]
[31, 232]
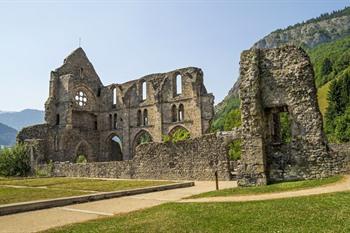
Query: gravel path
[343, 185]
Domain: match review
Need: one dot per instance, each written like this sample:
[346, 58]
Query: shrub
[177, 136]
[15, 161]
[180, 135]
[81, 159]
[234, 152]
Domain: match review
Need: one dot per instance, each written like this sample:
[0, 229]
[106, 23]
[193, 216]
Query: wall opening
[110, 121]
[181, 112]
[141, 138]
[280, 125]
[144, 90]
[145, 117]
[139, 118]
[178, 84]
[95, 125]
[83, 150]
[115, 121]
[114, 97]
[116, 149]
[173, 113]
[57, 119]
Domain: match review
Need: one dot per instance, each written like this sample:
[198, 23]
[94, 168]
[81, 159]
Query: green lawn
[278, 187]
[13, 195]
[63, 187]
[322, 213]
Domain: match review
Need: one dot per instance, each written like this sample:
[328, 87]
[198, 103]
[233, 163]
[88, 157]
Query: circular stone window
[81, 99]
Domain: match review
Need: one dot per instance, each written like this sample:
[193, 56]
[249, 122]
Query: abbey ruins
[120, 127]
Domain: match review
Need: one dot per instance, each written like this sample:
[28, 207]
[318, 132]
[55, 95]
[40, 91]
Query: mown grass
[83, 184]
[44, 188]
[278, 187]
[322, 213]
[10, 195]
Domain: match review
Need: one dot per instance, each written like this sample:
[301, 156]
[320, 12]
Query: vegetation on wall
[81, 159]
[15, 161]
[179, 135]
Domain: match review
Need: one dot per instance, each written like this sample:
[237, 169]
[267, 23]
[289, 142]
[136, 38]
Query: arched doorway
[179, 133]
[141, 137]
[83, 150]
[115, 148]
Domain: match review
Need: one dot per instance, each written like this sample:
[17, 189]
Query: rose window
[81, 99]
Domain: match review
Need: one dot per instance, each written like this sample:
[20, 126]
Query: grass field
[322, 213]
[20, 190]
[278, 187]
[322, 94]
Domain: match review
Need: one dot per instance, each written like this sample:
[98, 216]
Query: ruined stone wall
[195, 159]
[83, 115]
[275, 81]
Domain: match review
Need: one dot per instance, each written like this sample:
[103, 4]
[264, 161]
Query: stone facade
[193, 159]
[106, 123]
[276, 81]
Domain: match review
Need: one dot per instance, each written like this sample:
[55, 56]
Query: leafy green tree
[342, 127]
[234, 152]
[326, 66]
[15, 161]
[233, 119]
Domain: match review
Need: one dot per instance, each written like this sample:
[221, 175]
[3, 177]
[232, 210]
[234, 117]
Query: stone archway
[176, 129]
[115, 148]
[141, 137]
[83, 149]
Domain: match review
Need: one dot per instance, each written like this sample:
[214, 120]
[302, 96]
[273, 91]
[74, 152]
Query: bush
[177, 136]
[234, 152]
[15, 161]
[81, 159]
[180, 135]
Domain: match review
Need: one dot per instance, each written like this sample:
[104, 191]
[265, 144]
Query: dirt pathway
[343, 185]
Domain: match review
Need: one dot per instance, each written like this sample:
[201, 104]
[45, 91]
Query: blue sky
[129, 39]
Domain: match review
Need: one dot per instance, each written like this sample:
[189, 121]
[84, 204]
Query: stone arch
[115, 147]
[176, 128]
[143, 136]
[83, 148]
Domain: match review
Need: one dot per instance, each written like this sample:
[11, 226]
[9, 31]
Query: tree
[326, 66]
[232, 119]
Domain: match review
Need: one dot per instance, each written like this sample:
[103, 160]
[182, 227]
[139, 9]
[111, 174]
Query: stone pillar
[252, 171]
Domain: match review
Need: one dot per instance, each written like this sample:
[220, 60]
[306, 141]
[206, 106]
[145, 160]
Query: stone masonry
[276, 81]
[107, 123]
[194, 159]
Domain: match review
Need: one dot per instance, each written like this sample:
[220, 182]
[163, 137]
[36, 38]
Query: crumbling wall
[194, 159]
[275, 81]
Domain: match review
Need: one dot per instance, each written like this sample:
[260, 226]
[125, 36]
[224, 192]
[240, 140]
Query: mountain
[18, 120]
[323, 29]
[327, 41]
[7, 135]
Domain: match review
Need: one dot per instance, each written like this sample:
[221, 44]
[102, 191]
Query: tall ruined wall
[194, 159]
[278, 81]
